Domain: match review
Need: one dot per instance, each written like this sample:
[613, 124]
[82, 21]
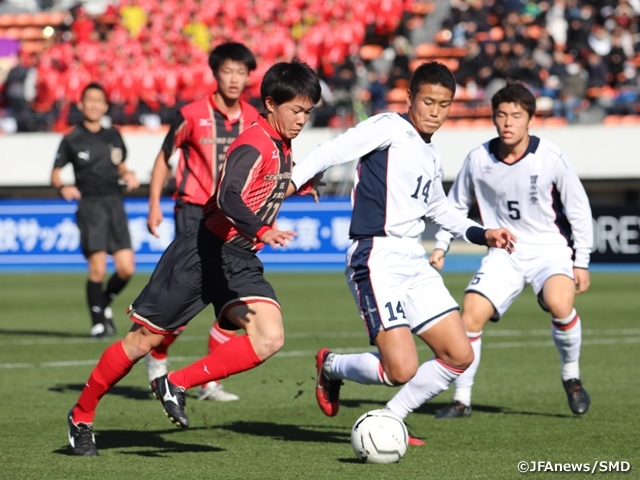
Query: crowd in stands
[580, 57]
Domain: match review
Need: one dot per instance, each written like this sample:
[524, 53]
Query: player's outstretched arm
[312, 187]
[277, 238]
[437, 258]
[158, 177]
[500, 238]
[582, 279]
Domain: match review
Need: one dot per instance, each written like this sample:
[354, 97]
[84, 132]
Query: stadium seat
[371, 52]
[630, 120]
[31, 33]
[423, 8]
[443, 37]
[13, 33]
[612, 120]
[397, 95]
[397, 107]
[554, 122]
[427, 50]
[23, 20]
[6, 21]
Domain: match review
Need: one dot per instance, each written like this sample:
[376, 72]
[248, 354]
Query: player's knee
[97, 273]
[560, 306]
[401, 374]
[138, 343]
[125, 272]
[461, 357]
[268, 344]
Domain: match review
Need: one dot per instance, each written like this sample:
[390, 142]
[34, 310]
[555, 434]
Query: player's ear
[409, 99]
[270, 104]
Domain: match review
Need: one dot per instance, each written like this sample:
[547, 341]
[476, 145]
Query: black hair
[515, 92]
[285, 81]
[433, 73]
[231, 51]
[94, 86]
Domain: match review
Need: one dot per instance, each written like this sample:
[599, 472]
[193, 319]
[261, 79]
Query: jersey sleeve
[450, 219]
[461, 198]
[119, 142]
[239, 166]
[577, 209]
[177, 136]
[64, 154]
[367, 136]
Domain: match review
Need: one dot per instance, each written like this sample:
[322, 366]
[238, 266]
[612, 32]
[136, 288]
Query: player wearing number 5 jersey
[525, 184]
[398, 183]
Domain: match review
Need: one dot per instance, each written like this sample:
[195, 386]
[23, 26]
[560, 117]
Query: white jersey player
[398, 182]
[525, 184]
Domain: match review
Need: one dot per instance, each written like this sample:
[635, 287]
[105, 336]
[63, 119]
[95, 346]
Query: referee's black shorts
[198, 269]
[103, 224]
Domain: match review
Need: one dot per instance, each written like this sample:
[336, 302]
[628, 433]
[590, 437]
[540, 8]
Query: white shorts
[502, 277]
[394, 285]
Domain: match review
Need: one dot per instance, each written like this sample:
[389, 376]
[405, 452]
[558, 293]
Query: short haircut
[285, 81]
[231, 51]
[432, 73]
[94, 86]
[515, 92]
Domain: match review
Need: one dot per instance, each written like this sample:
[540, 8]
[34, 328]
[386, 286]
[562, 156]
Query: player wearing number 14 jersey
[525, 184]
[399, 182]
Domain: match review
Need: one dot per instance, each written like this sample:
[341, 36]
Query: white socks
[464, 382]
[567, 335]
[360, 367]
[432, 378]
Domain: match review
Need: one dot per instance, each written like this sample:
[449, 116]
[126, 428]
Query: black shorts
[198, 269]
[185, 215]
[103, 225]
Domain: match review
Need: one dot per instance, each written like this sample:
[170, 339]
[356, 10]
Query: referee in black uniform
[97, 155]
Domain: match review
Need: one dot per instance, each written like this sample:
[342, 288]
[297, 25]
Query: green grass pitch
[276, 430]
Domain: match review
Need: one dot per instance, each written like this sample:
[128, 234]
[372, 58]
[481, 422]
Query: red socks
[217, 337]
[160, 352]
[234, 356]
[112, 367]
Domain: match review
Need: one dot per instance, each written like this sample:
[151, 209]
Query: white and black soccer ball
[379, 436]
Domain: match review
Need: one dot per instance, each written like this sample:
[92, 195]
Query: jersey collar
[216, 108]
[405, 116]
[286, 144]
[494, 145]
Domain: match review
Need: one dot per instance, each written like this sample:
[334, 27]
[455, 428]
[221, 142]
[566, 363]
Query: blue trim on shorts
[415, 329]
[367, 303]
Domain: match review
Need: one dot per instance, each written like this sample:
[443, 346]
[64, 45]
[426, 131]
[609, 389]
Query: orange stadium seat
[427, 50]
[612, 120]
[6, 21]
[13, 33]
[31, 33]
[397, 95]
[397, 107]
[423, 8]
[371, 52]
[23, 20]
[554, 122]
[630, 120]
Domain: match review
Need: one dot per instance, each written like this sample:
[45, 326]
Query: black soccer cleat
[454, 410]
[172, 398]
[81, 438]
[577, 396]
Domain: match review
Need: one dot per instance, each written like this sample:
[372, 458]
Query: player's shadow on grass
[361, 402]
[135, 393]
[431, 408]
[44, 333]
[287, 432]
[153, 443]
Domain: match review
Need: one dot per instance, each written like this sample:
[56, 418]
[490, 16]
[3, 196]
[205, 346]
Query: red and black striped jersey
[203, 134]
[253, 183]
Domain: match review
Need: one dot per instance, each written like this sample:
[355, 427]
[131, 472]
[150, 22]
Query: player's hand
[154, 219]
[313, 187]
[131, 180]
[277, 238]
[501, 238]
[70, 192]
[437, 259]
[582, 278]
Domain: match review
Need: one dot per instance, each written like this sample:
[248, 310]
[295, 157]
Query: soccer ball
[379, 436]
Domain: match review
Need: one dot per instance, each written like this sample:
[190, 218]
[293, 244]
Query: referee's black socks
[114, 287]
[95, 298]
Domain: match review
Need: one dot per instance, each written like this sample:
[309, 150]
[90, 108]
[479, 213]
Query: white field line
[311, 353]
[201, 338]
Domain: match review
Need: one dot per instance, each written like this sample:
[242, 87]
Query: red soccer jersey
[203, 134]
[253, 182]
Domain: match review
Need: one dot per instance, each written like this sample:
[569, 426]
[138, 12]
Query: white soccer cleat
[215, 391]
[155, 368]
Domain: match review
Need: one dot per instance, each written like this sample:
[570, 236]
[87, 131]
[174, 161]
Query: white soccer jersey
[398, 179]
[539, 198]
